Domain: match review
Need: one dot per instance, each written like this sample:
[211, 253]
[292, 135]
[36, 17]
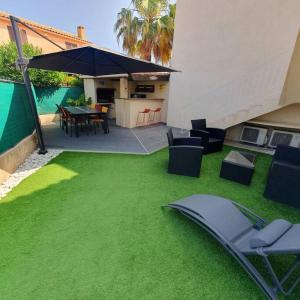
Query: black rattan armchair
[192, 141]
[185, 155]
[283, 184]
[212, 138]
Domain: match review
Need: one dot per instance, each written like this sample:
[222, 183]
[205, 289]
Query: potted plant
[81, 101]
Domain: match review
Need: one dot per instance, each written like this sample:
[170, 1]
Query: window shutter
[70, 45]
[23, 36]
[10, 32]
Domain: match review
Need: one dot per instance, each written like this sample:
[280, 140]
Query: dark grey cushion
[270, 234]
[170, 137]
[213, 140]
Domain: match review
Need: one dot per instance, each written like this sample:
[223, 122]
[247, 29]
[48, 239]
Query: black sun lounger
[243, 234]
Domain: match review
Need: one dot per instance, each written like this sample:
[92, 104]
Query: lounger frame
[270, 291]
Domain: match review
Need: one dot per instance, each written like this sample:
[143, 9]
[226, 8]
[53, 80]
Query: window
[23, 35]
[70, 45]
[11, 35]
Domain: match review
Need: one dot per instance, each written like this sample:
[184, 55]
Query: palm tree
[163, 45]
[127, 28]
[147, 29]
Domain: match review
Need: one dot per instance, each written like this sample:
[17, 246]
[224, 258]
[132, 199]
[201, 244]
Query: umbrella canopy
[93, 61]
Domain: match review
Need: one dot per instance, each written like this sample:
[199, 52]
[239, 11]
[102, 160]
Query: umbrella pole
[22, 63]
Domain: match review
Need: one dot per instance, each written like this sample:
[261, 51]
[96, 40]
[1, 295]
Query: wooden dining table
[77, 112]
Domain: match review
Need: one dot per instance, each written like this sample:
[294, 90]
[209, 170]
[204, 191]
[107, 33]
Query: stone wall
[12, 158]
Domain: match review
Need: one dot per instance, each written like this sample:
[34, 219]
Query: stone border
[11, 159]
[28, 167]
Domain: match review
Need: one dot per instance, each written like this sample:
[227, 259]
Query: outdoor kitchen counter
[127, 109]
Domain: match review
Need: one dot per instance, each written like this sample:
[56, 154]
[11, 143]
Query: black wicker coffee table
[238, 166]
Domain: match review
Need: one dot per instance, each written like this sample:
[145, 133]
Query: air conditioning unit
[284, 138]
[254, 135]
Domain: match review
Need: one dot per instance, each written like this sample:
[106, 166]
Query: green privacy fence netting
[16, 121]
[47, 98]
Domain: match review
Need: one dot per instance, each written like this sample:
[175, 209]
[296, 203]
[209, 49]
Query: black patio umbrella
[92, 61]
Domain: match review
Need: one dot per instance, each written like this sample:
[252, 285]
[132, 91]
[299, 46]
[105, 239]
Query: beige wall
[233, 56]
[37, 40]
[286, 118]
[90, 89]
[4, 36]
[291, 92]
[91, 85]
[124, 88]
[161, 92]
[161, 88]
[127, 111]
[11, 159]
[109, 83]
[289, 115]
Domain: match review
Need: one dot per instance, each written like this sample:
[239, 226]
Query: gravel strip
[30, 165]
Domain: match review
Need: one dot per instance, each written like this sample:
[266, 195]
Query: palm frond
[147, 30]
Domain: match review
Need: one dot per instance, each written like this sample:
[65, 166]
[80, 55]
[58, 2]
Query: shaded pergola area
[93, 61]
[140, 140]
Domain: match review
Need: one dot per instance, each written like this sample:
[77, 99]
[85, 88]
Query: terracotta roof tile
[44, 27]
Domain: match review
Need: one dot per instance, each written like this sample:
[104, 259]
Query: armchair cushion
[192, 141]
[199, 124]
[283, 184]
[170, 137]
[217, 133]
[287, 154]
[214, 145]
[200, 133]
[212, 138]
[185, 160]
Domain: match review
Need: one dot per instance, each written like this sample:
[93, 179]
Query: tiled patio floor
[142, 140]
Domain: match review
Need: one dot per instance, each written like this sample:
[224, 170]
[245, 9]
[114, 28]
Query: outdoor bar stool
[141, 118]
[155, 115]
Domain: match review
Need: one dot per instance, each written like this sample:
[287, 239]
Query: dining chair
[96, 120]
[62, 117]
[74, 122]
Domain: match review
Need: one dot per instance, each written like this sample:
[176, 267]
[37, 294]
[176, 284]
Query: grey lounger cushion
[244, 233]
[270, 234]
[222, 215]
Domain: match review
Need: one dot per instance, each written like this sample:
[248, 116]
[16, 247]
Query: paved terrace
[141, 140]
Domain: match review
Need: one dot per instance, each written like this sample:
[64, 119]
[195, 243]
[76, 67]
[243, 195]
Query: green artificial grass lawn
[90, 226]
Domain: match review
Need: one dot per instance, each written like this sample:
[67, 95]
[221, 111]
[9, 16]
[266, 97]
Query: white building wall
[90, 88]
[233, 56]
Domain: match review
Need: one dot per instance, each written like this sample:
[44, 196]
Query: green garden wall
[16, 120]
[15, 115]
[47, 98]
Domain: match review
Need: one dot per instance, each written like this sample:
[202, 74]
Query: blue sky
[98, 16]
